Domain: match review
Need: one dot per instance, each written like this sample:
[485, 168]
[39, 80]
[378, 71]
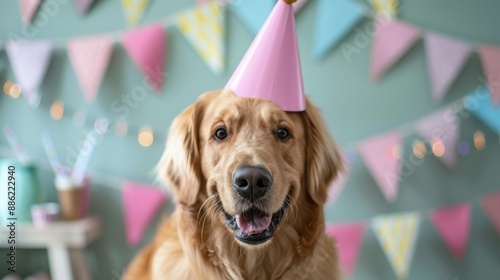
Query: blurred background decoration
[410, 89]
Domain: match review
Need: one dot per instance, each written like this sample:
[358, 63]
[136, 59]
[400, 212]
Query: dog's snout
[251, 182]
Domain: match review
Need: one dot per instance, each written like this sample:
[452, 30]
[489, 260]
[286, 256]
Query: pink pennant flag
[336, 187]
[491, 205]
[28, 9]
[82, 6]
[30, 61]
[349, 238]
[445, 59]
[381, 159]
[391, 40]
[140, 204]
[442, 126]
[90, 58]
[146, 47]
[452, 224]
[490, 58]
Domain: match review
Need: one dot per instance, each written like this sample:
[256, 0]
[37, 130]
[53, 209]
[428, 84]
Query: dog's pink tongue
[253, 223]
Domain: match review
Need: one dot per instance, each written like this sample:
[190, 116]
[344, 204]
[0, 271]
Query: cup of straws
[73, 185]
[73, 198]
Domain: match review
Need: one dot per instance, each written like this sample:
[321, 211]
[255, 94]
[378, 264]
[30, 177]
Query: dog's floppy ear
[179, 166]
[323, 158]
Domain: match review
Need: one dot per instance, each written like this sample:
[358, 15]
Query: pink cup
[43, 214]
[84, 207]
[71, 196]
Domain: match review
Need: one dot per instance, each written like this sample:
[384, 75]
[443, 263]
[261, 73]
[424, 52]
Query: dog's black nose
[251, 182]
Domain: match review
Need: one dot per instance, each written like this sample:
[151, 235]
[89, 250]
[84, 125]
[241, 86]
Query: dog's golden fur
[195, 242]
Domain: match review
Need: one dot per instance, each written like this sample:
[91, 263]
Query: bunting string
[203, 28]
[397, 233]
[166, 22]
[170, 21]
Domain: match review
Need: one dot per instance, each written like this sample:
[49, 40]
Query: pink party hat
[271, 67]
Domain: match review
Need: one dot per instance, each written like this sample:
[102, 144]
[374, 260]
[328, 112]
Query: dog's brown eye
[282, 134]
[220, 134]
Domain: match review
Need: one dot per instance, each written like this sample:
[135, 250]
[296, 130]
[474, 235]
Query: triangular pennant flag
[28, 9]
[481, 105]
[397, 234]
[452, 224]
[30, 61]
[82, 6]
[333, 21]
[348, 238]
[146, 47]
[297, 6]
[134, 10]
[445, 59]
[490, 58]
[386, 6]
[90, 58]
[392, 40]
[442, 127]
[378, 155]
[140, 204]
[203, 27]
[252, 13]
[491, 205]
[337, 186]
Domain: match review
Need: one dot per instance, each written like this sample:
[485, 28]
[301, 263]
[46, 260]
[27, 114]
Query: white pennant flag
[445, 59]
[30, 61]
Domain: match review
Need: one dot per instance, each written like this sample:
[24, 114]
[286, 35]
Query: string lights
[463, 148]
[11, 89]
[57, 110]
[438, 148]
[419, 149]
[479, 140]
[146, 137]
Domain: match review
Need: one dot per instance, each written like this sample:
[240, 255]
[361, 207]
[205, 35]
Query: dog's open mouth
[254, 226]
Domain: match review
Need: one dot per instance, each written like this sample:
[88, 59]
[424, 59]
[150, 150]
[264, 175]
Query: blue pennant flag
[252, 13]
[335, 18]
[481, 105]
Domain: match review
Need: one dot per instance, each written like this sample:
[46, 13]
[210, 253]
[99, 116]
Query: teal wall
[354, 108]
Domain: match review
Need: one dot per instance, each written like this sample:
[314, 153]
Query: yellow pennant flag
[134, 9]
[203, 27]
[397, 235]
[387, 6]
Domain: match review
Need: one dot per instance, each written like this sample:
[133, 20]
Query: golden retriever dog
[250, 181]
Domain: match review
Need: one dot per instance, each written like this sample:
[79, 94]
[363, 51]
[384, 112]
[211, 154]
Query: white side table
[65, 243]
